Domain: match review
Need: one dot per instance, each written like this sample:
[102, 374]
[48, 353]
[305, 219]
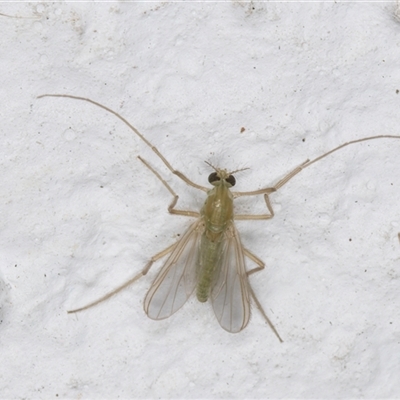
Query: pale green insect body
[217, 214]
[209, 259]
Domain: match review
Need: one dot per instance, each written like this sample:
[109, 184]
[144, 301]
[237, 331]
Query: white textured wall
[80, 214]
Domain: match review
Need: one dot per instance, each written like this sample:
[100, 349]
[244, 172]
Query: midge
[209, 258]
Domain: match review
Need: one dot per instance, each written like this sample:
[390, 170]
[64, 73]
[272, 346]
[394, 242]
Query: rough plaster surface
[80, 214]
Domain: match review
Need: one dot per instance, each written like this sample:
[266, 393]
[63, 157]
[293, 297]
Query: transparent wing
[177, 279]
[230, 295]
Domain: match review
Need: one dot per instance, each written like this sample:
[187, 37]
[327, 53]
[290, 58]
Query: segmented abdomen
[209, 257]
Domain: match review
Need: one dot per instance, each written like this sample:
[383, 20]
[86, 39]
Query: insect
[209, 258]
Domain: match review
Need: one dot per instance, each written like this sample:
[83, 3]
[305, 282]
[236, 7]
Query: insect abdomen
[210, 252]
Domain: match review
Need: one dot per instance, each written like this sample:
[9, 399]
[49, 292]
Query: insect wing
[177, 279]
[230, 294]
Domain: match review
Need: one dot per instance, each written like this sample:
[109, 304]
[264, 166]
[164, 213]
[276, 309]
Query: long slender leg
[308, 162]
[261, 266]
[260, 263]
[163, 159]
[270, 190]
[259, 306]
[130, 281]
[293, 173]
[171, 208]
[158, 255]
[258, 216]
[256, 260]
[266, 192]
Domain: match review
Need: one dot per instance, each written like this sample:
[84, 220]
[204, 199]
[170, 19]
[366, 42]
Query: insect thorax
[218, 209]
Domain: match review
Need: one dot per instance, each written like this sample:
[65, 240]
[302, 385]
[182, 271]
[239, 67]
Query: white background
[80, 214]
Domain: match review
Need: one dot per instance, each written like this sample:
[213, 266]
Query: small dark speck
[242, 129]
[303, 140]
[45, 275]
[101, 186]
[365, 270]
[390, 323]
[397, 91]
[15, 266]
[350, 240]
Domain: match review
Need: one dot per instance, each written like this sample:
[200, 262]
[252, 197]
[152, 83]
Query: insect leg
[308, 162]
[266, 192]
[259, 306]
[260, 267]
[259, 216]
[255, 259]
[130, 281]
[171, 208]
[274, 188]
[293, 173]
[125, 121]
[16, 16]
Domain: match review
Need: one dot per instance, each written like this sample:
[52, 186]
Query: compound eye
[231, 179]
[213, 177]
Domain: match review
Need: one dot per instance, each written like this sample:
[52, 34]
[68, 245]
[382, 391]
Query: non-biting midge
[209, 258]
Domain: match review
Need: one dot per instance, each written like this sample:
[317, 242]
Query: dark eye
[231, 179]
[213, 177]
